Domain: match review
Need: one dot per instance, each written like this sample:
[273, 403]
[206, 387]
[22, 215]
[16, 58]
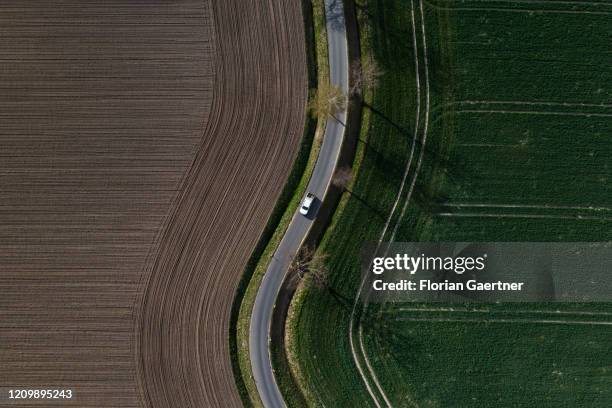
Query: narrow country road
[261, 317]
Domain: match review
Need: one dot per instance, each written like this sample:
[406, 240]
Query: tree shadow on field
[385, 328]
[436, 152]
[343, 301]
[377, 212]
[452, 168]
[385, 164]
[402, 130]
[387, 33]
[430, 151]
[405, 132]
[427, 200]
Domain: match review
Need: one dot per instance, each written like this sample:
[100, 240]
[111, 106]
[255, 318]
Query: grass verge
[319, 319]
[285, 378]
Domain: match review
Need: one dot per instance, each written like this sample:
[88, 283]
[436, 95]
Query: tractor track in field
[362, 350]
[530, 103]
[521, 321]
[491, 311]
[523, 10]
[440, 115]
[543, 216]
[574, 2]
[535, 206]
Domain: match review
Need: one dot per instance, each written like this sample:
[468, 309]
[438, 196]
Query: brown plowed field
[142, 148]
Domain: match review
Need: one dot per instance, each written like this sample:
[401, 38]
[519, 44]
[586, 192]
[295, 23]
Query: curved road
[298, 228]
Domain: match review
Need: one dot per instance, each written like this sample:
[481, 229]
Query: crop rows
[142, 148]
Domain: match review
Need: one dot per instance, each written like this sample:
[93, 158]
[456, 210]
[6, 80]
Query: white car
[307, 203]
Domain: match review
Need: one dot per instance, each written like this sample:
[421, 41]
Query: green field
[524, 356]
[516, 98]
[522, 111]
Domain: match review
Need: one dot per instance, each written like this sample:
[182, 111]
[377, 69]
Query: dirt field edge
[291, 190]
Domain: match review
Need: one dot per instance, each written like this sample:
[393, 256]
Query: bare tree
[365, 76]
[299, 263]
[312, 263]
[342, 177]
[318, 270]
[328, 101]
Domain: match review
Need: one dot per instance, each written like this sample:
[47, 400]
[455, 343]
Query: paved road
[298, 228]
